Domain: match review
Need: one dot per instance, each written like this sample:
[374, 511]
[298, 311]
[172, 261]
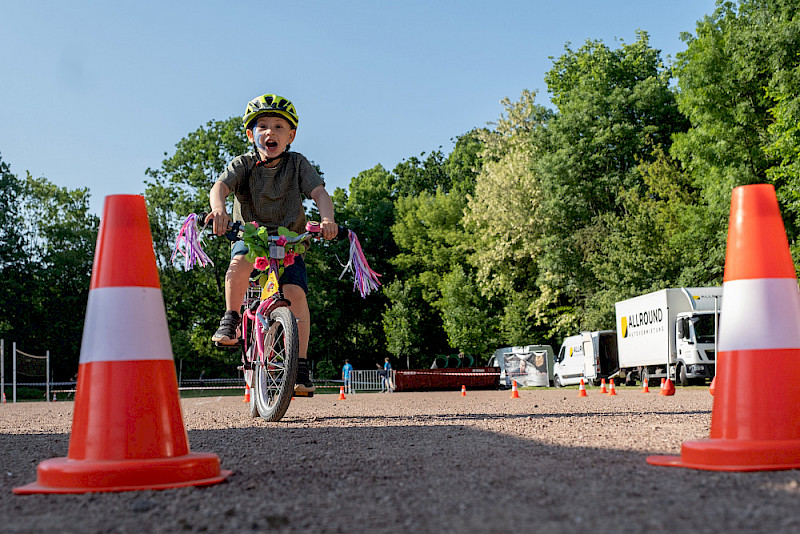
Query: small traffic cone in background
[514, 390]
[246, 392]
[463, 390]
[753, 428]
[582, 389]
[4, 397]
[55, 399]
[645, 386]
[341, 393]
[603, 386]
[663, 383]
[669, 388]
[127, 427]
[713, 387]
[612, 390]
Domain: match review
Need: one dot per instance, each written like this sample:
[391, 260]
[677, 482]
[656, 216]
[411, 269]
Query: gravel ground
[418, 462]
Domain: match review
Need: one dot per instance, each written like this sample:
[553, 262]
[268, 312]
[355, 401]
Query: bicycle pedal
[236, 345]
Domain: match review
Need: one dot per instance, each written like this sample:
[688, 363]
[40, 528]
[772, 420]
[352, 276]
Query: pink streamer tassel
[366, 280]
[188, 244]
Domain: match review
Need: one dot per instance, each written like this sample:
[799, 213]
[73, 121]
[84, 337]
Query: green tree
[430, 240]
[468, 321]
[46, 249]
[405, 328]
[614, 105]
[194, 299]
[503, 219]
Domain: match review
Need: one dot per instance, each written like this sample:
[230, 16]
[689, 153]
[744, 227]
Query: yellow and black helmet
[268, 104]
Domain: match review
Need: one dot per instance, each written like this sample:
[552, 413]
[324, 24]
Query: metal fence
[361, 380]
[370, 380]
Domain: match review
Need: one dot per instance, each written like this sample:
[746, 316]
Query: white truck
[590, 356]
[669, 333]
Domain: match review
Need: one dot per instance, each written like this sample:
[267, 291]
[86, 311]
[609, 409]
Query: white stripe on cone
[760, 313]
[125, 324]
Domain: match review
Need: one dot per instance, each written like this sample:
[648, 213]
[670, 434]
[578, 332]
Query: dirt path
[418, 462]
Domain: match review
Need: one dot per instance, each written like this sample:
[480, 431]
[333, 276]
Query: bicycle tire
[275, 377]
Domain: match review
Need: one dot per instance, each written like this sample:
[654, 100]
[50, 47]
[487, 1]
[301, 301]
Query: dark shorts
[294, 274]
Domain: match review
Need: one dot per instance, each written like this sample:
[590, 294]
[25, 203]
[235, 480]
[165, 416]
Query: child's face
[271, 135]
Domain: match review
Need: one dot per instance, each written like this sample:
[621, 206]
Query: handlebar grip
[315, 228]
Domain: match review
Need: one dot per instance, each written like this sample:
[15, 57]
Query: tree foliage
[47, 239]
[525, 232]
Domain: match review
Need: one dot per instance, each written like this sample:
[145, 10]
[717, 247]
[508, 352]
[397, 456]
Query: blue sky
[94, 93]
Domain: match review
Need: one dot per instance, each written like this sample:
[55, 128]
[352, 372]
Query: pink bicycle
[269, 343]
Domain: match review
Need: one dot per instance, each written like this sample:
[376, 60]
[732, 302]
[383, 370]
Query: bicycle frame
[260, 318]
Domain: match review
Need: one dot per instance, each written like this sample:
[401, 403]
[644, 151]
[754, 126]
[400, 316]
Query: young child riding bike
[268, 185]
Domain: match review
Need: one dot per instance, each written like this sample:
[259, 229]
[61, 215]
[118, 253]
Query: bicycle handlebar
[313, 229]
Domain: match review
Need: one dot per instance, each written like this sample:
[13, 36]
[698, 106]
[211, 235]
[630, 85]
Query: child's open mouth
[271, 144]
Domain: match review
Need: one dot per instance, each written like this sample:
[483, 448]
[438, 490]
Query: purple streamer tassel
[188, 244]
[366, 280]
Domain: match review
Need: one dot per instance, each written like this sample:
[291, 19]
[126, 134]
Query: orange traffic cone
[645, 386]
[603, 386]
[55, 399]
[463, 390]
[127, 427]
[753, 429]
[4, 397]
[669, 388]
[713, 387]
[663, 383]
[514, 390]
[582, 389]
[341, 393]
[612, 390]
[246, 392]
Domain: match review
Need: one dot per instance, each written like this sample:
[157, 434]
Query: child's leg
[299, 307]
[236, 281]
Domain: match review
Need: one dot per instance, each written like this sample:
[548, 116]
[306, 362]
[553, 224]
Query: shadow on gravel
[412, 478]
[495, 416]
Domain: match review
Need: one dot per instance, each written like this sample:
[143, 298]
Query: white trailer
[669, 333]
[529, 365]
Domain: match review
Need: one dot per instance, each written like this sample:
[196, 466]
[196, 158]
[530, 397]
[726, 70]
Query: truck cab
[695, 346]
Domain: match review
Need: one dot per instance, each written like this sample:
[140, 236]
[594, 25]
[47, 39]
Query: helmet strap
[266, 161]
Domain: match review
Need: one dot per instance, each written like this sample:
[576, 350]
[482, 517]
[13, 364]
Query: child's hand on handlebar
[220, 219]
[329, 229]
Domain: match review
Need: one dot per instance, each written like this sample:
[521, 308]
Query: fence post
[2, 366]
[47, 376]
[14, 376]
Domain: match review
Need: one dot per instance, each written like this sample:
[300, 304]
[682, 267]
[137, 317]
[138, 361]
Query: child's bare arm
[325, 207]
[219, 192]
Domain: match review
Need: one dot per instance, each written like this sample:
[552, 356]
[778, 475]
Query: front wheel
[275, 375]
[682, 378]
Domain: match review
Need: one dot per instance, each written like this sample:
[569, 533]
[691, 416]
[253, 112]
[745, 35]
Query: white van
[591, 356]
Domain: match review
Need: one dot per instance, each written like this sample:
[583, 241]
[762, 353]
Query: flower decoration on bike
[283, 250]
[261, 250]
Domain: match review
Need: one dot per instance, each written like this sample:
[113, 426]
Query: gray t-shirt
[271, 197]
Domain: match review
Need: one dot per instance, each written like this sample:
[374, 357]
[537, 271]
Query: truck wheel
[682, 378]
[557, 382]
[630, 380]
